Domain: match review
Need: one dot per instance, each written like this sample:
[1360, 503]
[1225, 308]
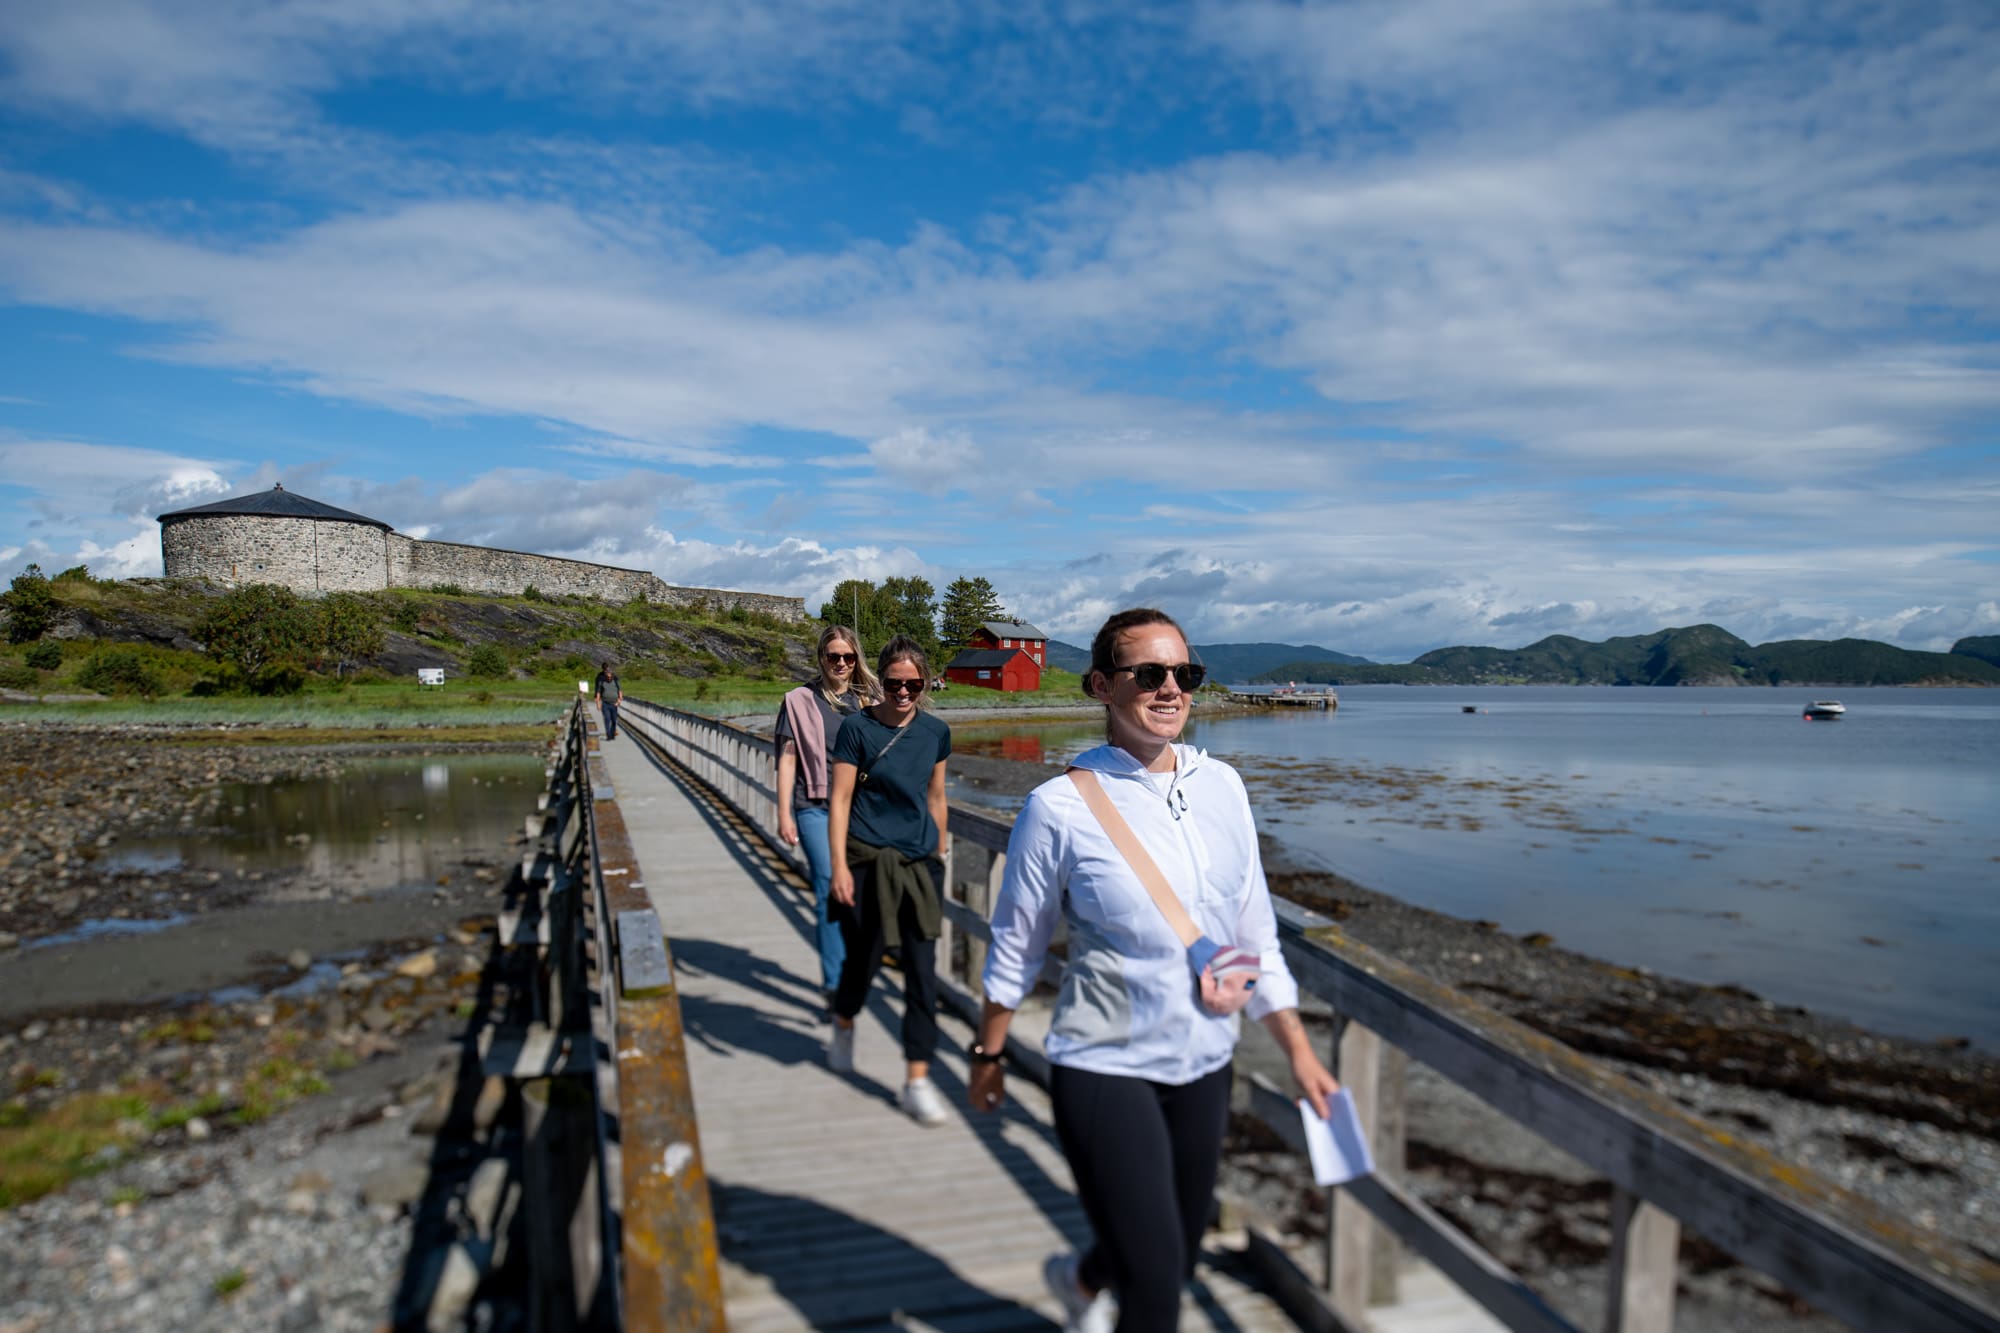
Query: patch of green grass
[173, 1117]
[127, 1194]
[230, 1283]
[273, 1086]
[194, 1031]
[42, 1153]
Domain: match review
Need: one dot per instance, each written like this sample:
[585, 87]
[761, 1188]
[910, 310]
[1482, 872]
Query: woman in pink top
[807, 723]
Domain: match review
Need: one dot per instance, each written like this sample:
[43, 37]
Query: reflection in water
[382, 821]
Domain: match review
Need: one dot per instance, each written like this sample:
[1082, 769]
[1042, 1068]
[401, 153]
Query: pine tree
[968, 604]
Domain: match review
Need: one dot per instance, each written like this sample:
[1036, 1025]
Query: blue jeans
[610, 719]
[811, 823]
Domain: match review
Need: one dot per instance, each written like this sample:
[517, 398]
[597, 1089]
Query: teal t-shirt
[892, 808]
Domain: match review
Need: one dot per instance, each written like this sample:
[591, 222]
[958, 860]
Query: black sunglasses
[1149, 676]
[895, 686]
[837, 658]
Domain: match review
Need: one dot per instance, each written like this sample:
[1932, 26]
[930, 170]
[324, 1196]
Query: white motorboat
[1825, 710]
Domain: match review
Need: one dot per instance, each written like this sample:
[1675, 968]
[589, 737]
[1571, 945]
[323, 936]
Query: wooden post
[945, 932]
[1388, 1133]
[1645, 1265]
[1350, 1232]
[981, 899]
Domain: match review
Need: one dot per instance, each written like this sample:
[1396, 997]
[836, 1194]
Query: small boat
[1825, 710]
[1468, 708]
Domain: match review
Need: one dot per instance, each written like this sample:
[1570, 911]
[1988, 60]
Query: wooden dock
[1286, 698]
[832, 1208]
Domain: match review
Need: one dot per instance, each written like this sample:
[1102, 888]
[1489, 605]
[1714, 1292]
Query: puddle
[104, 928]
[378, 822]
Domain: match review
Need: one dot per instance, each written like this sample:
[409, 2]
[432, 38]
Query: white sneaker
[924, 1102]
[840, 1050]
[1081, 1313]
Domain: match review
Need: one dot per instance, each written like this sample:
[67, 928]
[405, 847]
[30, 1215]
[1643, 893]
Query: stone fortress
[278, 536]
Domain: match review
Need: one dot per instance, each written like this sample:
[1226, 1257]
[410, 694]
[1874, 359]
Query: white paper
[1337, 1145]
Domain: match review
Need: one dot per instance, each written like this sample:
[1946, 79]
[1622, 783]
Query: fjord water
[1852, 866]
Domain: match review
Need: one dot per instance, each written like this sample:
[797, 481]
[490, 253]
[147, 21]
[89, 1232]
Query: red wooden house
[1003, 655]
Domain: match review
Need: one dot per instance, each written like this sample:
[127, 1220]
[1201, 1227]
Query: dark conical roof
[275, 503]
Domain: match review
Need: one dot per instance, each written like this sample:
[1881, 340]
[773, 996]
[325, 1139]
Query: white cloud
[1617, 316]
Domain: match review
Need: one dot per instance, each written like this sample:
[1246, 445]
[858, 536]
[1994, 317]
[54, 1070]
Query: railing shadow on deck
[827, 1264]
[792, 896]
[1839, 1252]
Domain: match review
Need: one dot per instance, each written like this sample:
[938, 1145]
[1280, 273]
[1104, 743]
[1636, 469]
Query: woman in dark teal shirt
[886, 827]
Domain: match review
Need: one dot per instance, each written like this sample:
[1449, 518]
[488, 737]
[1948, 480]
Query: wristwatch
[979, 1055]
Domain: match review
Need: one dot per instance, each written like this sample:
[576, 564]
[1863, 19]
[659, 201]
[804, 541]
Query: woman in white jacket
[1139, 1064]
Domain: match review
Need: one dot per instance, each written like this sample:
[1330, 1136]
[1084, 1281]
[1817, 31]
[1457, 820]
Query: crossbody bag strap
[885, 749]
[1135, 854]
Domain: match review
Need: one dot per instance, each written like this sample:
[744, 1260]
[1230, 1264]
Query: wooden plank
[1836, 1250]
[642, 955]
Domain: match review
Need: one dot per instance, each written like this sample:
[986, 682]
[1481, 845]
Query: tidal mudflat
[231, 979]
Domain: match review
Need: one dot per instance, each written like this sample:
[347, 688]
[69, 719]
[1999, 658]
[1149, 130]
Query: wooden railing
[615, 1198]
[1668, 1168]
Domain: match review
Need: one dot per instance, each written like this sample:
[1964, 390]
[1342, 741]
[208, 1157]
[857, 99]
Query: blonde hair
[862, 682]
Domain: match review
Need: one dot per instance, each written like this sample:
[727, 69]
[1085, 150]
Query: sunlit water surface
[1850, 866]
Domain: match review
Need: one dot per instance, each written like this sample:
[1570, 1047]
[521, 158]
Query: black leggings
[861, 931]
[1144, 1156]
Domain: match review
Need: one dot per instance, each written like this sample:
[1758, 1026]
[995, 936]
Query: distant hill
[1696, 655]
[1986, 648]
[1232, 663]
[1068, 657]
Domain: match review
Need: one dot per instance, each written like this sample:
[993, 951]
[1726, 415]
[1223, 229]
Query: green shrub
[347, 629]
[31, 606]
[446, 589]
[119, 671]
[532, 593]
[14, 676]
[403, 615]
[76, 574]
[256, 628]
[488, 661]
[44, 655]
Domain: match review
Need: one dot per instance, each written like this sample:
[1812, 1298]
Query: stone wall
[323, 555]
[422, 564]
[306, 555]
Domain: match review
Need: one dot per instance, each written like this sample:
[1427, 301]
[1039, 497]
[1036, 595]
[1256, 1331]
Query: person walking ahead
[1144, 1027]
[808, 721]
[886, 829]
[606, 690]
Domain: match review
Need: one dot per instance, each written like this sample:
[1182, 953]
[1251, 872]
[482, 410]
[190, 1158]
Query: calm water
[384, 821]
[1850, 866]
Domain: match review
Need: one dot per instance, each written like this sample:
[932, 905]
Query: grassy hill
[506, 659]
[1695, 655]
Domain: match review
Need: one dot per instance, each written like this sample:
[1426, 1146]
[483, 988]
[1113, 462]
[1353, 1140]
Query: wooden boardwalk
[833, 1209]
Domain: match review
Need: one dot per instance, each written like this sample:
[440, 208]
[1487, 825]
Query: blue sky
[1383, 326]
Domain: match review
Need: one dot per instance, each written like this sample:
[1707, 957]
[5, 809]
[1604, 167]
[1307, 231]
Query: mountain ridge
[1228, 662]
[1688, 655]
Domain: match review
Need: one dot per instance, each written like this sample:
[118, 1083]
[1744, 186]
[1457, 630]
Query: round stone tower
[278, 537]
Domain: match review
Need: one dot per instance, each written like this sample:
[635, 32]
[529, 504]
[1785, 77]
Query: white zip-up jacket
[1128, 1003]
